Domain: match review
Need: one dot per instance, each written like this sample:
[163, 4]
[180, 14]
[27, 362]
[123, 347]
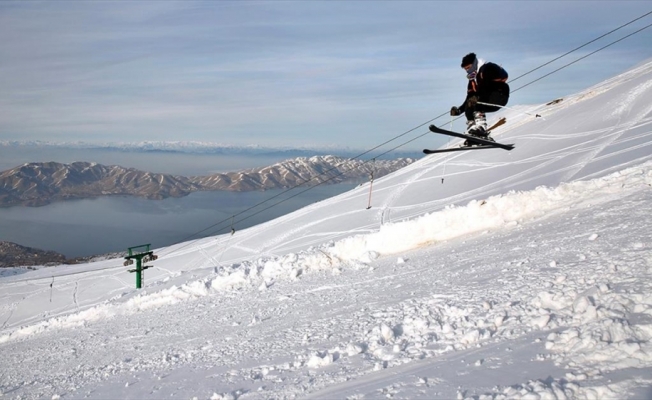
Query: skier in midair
[487, 84]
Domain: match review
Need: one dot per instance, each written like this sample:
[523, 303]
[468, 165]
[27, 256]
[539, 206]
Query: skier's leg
[470, 119]
[480, 124]
[498, 97]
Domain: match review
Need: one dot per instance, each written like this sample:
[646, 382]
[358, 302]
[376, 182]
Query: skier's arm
[471, 91]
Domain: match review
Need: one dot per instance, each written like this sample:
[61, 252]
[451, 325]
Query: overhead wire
[232, 218]
[305, 181]
[583, 57]
[580, 47]
[406, 133]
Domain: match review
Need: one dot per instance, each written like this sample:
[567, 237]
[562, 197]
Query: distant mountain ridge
[16, 255]
[39, 184]
[197, 147]
[12, 254]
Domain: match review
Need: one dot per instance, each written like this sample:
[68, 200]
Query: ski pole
[509, 108]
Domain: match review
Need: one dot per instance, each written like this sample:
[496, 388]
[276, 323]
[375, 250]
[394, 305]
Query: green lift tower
[141, 254]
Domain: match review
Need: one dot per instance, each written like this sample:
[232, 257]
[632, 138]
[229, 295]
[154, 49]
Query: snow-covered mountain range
[196, 147]
[37, 184]
[483, 275]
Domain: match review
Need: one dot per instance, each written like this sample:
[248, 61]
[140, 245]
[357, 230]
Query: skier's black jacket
[489, 86]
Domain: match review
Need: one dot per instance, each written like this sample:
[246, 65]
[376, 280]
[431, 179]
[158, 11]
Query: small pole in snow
[443, 172]
[371, 185]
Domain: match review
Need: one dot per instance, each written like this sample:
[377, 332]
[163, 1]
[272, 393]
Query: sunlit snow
[486, 274]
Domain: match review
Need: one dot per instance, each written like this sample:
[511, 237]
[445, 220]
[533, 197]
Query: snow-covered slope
[486, 274]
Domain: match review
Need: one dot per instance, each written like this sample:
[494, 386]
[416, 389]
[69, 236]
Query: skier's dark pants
[499, 95]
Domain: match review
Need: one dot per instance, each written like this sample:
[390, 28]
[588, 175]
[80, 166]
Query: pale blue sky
[285, 73]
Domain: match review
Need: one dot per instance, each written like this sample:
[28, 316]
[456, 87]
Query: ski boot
[477, 127]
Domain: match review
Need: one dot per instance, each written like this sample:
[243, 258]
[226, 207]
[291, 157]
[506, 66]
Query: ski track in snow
[508, 281]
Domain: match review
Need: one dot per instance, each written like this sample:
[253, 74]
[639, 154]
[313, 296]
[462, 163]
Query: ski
[470, 138]
[464, 148]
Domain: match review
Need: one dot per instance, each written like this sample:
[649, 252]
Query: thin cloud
[276, 72]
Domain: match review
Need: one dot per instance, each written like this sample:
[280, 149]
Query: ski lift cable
[231, 218]
[216, 230]
[391, 140]
[582, 46]
[413, 129]
[302, 183]
[565, 66]
[581, 58]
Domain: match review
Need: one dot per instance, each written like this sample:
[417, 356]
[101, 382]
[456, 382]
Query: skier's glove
[455, 111]
[472, 101]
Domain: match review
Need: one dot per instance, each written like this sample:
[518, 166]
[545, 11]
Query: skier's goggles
[470, 72]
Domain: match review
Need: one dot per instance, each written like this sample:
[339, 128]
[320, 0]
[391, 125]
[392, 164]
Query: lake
[108, 224]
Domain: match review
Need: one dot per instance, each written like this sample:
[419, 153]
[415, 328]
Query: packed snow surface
[486, 274]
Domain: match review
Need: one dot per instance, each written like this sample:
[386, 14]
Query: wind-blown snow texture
[524, 274]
